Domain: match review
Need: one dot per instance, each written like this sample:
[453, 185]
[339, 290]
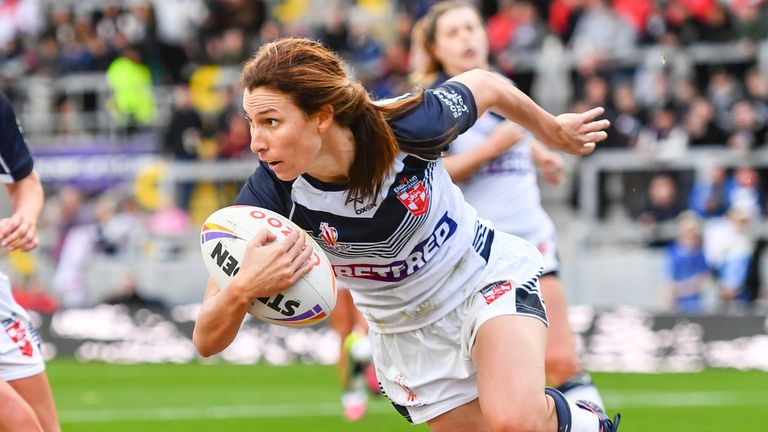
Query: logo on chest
[330, 236]
[412, 193]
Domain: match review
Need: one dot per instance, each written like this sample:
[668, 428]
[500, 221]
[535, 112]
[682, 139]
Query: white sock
[583, 420]
[585, 392]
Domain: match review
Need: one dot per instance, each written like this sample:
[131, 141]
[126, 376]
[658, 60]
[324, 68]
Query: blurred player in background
[457, 322]
[354, 366]
[26, 402]
[492, 162]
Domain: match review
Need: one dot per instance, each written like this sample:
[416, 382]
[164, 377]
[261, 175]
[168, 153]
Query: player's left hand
[579, 133]
[552, 168]
[18, 232]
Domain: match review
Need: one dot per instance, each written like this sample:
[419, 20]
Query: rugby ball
[223, 238]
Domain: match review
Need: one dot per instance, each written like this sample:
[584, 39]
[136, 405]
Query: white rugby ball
[223, 238]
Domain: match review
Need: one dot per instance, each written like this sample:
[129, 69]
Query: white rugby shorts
[544, 238]
[429, 371]
[20, 355]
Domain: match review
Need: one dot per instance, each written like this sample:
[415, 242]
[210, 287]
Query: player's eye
[272, 122]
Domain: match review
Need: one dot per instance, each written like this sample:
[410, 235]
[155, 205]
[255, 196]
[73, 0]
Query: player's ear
[324, 118]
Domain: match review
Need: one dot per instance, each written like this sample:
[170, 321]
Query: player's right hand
[270, 266]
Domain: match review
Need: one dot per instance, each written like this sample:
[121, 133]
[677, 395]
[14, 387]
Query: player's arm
[570, 132]
[463, 165]
[19, 231]
[268, 267]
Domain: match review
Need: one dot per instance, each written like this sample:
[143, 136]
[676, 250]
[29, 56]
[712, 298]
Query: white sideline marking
[212, 412]
[619, 400]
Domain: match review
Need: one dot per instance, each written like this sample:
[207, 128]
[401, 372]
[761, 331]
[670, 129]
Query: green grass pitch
[223, 397]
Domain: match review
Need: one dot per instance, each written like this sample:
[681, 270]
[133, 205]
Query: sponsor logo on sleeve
[453, 101]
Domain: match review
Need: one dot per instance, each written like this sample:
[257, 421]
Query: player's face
[282, 135]
[460, 41]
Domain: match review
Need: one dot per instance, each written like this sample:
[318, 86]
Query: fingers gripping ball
[223, 239]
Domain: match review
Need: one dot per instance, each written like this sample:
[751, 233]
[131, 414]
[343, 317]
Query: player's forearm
[462, 166]
[218, 322]
[492, 91]
[26, 196]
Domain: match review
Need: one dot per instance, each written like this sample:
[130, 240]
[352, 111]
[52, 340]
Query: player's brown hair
[313, 77]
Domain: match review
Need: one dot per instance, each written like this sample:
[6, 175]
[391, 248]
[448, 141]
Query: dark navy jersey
[15, 160]
[400, 252]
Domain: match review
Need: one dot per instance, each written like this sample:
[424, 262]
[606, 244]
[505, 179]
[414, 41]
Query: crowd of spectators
[635, 57]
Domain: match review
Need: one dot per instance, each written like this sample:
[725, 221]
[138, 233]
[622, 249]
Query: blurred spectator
[686, 267]
[746, 133]
[177, 24]
[120, 225]
[757, 93]
[723, 91]
[728, 248]
[714, 23]
[751, 22]
[628, 119]
[131, 83]
[662, 204]
[700, 125]
[600, 34]
[744, 193]
[182, 137]
[664, 138]
[710, 195]
[19, 16]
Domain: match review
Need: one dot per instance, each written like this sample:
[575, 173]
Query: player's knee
[560, 366]
[528, 417]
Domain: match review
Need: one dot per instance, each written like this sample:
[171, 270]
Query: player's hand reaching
[552, 167]
[18, 232]
[579, 133]
[270, 266]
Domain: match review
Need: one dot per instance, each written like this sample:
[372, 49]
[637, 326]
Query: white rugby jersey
[412, 255]
[504, 190]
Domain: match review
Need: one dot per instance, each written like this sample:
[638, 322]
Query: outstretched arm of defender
[575, 133]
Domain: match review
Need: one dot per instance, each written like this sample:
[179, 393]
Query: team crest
[18, 335]
[412, 193]
[329, 234]
[493, 291]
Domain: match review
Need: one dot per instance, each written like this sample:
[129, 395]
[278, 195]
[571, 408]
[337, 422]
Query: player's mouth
[470, 53]
[273, 164]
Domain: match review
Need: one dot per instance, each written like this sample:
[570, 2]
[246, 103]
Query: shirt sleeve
[263, 189]
[15, 159]
[446, 112]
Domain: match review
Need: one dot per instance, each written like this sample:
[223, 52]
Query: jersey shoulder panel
[445, 112]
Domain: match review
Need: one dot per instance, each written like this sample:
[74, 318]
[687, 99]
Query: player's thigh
[15, 414]
[509, 356]
[467, 417]
[36, 392]
[342, 318]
